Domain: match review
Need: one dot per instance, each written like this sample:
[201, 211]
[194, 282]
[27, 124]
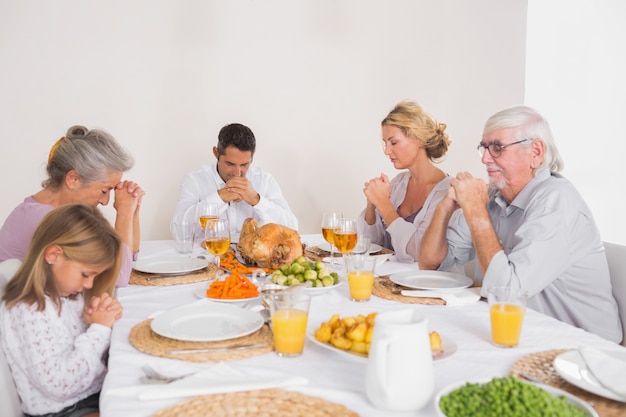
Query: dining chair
[616, 257]
[9, 399]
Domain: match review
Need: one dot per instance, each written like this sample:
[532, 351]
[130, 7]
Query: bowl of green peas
[508, 397]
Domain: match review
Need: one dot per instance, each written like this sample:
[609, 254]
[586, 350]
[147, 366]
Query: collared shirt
[203, 185]
[405, 236]
[551, 248]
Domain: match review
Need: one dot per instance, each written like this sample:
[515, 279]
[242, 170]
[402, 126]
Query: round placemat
[142, 278]
[261, 403]
[383, 289]
[540, 365]
[144, 339]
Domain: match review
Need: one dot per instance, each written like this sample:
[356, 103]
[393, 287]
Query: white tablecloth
[330, 375]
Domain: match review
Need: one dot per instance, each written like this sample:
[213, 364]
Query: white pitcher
[400, 374]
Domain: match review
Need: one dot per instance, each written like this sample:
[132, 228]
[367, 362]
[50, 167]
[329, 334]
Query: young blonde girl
[58, 310]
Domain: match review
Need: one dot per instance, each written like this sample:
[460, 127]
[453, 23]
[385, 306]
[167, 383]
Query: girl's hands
[103, 309]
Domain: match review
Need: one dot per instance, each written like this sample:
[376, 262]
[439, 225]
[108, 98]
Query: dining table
[330, 375]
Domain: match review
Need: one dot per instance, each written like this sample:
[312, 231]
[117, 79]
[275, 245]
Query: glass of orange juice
[360, 269]
[290, 312]
[506, 309]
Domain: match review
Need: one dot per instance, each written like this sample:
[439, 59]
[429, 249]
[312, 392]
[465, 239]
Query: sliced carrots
[230, 262]
[235, 286]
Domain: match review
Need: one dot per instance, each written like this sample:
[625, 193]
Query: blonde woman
[58, 310]
[398, 211]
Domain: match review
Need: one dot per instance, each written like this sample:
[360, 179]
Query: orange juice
[289, 326]
[506, 323]
[361, 284]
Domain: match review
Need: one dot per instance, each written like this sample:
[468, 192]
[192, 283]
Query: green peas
[506, 397]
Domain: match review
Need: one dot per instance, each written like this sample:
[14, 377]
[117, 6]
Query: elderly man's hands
[469, 193]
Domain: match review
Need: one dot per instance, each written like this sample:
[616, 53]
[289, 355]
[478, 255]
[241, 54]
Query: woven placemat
[144, 339]
[265, 403]
[142, 278]
[315, 253]
[540, 365]
[382, 288]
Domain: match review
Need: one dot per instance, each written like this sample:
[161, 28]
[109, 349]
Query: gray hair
[93, 154]
[531, 125]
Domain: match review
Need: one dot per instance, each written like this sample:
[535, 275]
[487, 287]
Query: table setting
[224, 355]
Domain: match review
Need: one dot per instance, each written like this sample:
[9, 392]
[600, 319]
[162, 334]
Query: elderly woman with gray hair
[84, 166]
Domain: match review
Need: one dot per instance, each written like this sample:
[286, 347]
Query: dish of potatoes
[352, 336]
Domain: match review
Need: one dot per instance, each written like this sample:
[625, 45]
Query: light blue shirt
[551, 248]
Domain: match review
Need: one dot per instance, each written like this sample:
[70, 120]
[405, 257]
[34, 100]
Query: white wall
[575, 70]
[312, 79]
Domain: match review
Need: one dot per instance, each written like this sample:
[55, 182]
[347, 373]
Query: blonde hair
[415, 123]
[85, 236]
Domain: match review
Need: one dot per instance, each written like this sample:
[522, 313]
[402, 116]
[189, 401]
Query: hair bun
[76, 131]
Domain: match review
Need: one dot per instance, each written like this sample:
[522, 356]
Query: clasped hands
[239, 189]
[128, 196]
[466, 192]
[103, 309]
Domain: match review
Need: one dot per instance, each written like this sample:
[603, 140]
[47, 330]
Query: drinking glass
[207, 211]
[290, 312]
[506, 310]
[360, 269]
[330, 220]
[345, 236]
[217, 238]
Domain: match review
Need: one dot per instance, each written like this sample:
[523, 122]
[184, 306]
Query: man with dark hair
[239, 190]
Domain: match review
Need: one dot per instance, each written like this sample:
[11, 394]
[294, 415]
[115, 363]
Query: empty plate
[206, 322]
[170, 265]
[431, 280]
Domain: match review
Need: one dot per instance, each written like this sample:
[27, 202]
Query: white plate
[431, 280]
[169, 265]
[572, 368]
[590, 412]
[208, 322]
[448, 346]
[201, 293]
[373, 247]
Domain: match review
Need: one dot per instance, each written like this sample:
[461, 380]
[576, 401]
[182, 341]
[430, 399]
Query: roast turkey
[270, 245]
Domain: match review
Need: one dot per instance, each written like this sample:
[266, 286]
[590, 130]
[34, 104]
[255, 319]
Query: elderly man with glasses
[528, 228]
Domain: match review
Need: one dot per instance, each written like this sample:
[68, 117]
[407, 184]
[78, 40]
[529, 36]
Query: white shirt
[55, 360]
[551, 248]
[203, 184]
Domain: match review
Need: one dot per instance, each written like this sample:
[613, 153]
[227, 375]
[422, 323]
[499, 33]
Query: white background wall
[312, 79]
[575, 75]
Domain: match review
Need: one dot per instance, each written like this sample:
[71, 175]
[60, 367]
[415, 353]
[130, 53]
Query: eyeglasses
[495, 149]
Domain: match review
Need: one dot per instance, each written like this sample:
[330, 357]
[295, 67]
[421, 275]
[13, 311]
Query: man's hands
[238, 189]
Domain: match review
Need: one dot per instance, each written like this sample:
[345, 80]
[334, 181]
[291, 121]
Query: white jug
[400, 374]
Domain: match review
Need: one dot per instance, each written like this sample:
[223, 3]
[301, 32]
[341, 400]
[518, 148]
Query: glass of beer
[217, 238]
[506, 310]
[207, 211]
[344, 235]
[330, 220]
